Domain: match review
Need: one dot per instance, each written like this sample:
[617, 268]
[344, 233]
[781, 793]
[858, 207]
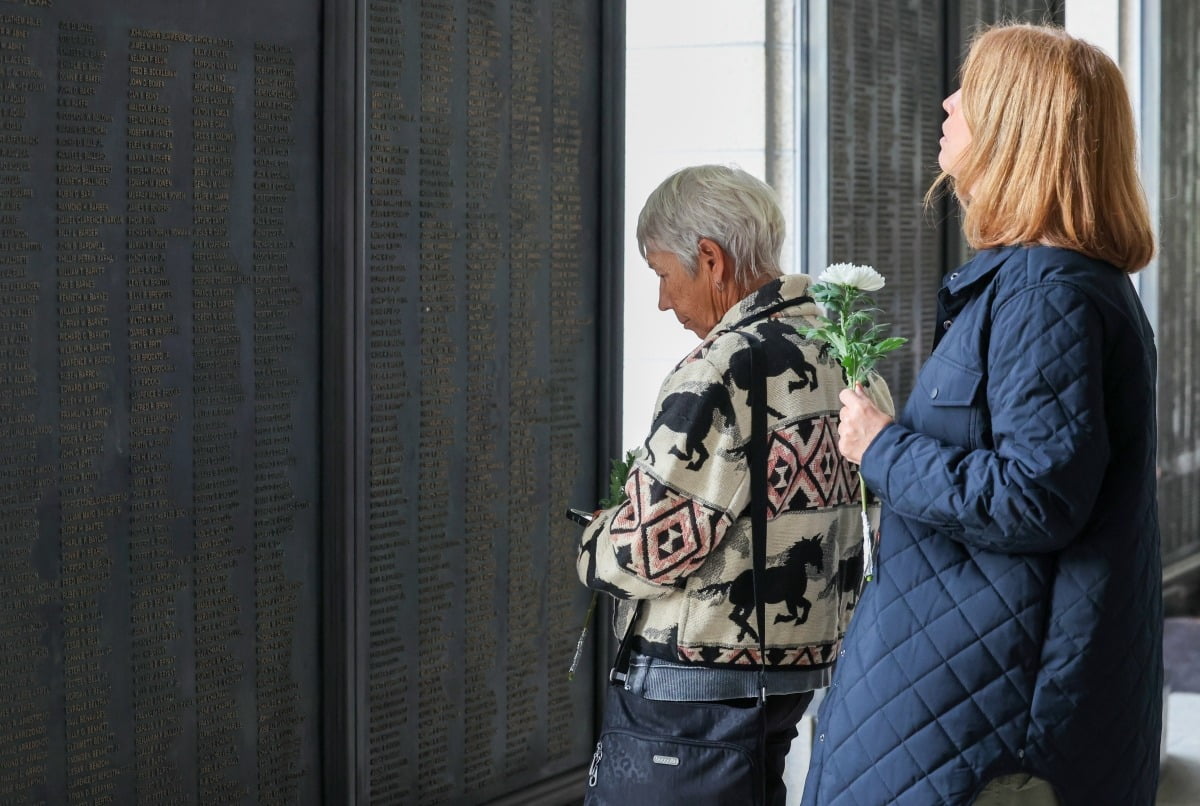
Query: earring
[720, 286]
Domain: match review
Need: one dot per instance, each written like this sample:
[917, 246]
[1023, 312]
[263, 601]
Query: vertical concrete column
[780, 124]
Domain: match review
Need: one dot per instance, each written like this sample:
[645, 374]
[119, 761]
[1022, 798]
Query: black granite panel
[891, 63]
[885, 91]
[159, 234]
[482, 188]
[165, 195]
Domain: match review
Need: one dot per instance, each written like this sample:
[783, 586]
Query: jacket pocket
[946, 403]
[950, 384]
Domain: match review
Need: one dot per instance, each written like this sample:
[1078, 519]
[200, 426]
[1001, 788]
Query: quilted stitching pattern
[1016, 619]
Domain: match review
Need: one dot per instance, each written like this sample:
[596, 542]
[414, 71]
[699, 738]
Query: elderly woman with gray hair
[677, 553]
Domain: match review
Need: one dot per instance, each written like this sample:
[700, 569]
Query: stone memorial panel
[166, 187]
[159, 257]
[483, 189]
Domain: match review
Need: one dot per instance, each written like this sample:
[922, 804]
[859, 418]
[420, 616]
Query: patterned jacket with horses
[681, 540]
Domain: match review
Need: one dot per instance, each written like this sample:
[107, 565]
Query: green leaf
[817, 333]
[839, 344]
[856, 319]
[616, 481]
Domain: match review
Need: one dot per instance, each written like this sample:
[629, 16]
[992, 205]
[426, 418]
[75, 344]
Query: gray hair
[725, 204]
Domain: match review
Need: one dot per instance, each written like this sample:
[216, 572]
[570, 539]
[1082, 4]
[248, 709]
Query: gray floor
[1179, 784]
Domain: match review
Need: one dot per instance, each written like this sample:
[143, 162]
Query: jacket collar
[953, 296]
[788, 292]
[977, 269]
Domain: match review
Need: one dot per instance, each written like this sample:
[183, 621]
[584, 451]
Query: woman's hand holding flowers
[860, 421]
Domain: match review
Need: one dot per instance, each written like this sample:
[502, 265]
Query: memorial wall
[165, 260]
[482, 188]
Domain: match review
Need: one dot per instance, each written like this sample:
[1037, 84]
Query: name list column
[24, 757]
[485, 507]
[438, 544]
[217, 436]
[390, 469]
[565, 318]
[155, 566]
[275, 501]
[525, 389]
[85, 321]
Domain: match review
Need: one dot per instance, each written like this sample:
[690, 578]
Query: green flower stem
[856, 342]
[587, 620]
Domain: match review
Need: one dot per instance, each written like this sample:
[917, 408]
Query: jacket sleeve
[1034, 490]
[687, 482]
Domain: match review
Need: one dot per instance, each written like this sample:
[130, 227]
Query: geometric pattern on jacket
[681, 540]
[1021, 476]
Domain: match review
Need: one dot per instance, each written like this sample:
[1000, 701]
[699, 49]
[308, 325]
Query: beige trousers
[1018, 789]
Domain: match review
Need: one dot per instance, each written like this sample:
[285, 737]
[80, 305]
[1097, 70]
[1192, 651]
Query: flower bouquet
[856, 340]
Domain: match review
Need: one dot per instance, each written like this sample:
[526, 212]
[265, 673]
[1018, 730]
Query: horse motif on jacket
[692, 414]
[785, 356]
[786, 583]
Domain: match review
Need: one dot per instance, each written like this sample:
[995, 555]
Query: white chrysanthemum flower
[864, 278]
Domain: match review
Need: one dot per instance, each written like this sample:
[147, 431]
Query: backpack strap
[756, 456]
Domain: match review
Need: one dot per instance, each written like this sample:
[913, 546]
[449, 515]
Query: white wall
[694, 94]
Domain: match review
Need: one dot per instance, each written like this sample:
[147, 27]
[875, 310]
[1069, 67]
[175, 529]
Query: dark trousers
[784, 712]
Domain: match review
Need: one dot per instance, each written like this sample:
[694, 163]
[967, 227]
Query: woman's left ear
[713, 260]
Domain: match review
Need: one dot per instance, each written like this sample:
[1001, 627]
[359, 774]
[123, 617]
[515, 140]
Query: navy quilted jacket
[1015, 624]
